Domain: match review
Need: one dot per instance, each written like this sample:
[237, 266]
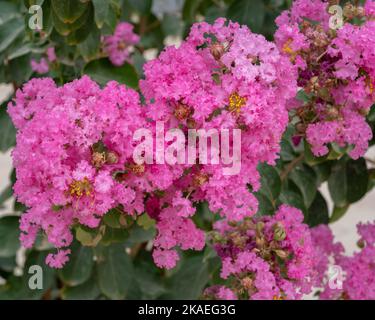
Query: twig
[284, 174]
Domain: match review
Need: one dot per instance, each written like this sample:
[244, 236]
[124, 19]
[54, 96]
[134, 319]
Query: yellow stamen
[289, 51]
[277, 298]
[236, 102]
[79, 188]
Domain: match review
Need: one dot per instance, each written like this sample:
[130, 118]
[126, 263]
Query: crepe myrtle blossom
[118, 45]
[269, 257]
[223, 77]
[335, 71]
[358, 270]
[42, 66]
[74, 153]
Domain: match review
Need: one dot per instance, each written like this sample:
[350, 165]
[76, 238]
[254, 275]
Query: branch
[284, 174]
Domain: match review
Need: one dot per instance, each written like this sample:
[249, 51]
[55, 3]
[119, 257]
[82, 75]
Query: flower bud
[98, 159]
[112, 158]
[279, 233]
[217, 50]
[281, 254]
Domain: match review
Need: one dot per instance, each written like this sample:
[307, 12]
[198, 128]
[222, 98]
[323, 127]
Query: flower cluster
[71, 142]
[335, 71]
[117, 45]
[269, 257]
[75, 143]
[357, 270]
[222, 77]
[42, 66]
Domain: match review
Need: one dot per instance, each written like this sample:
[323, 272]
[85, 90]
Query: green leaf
[101, 10]
[265, 207]
[143, 7]
[318, 212]
[8, 264]
[89, 237]
[69, 10]
[305, 179]
[292, 196]
[145, 221]
[9, 31]
[80, 265]
[113, 235]
[7, 131]
[90, 47]
[103, 71]
[85, 291]
[9, 236]
[5, 195]
[270, 182]
[138, 234]
[190, 9]
[348, 181]
[190, 279]
[251, 13]
[8, 11]
[115, 271]
[337, 213]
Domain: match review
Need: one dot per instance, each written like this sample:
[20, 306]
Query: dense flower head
[118, 44]
[70, 141]
[358, 270]
[269, 257]
[224, 76]
[336, 72]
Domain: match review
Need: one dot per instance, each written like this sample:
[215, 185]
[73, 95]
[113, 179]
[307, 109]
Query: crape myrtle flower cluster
[358, 270]
[267, 257]
[74, 150]
[222, 77]
[117, 46]
[336, 72]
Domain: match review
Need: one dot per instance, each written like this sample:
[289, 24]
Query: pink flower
[117, 45]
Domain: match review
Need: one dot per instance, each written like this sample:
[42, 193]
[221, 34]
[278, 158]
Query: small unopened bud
[279, 234]
[361, 243]
[98, 159]
[349, 11]
[332, 112]
[200, 179]
[260, 242]
[137, 169]
[112, 158]
[281, 254]
[182, 111]
[217, 50]
[360, 12]
[247, 283]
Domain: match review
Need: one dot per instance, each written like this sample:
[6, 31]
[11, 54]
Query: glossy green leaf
[80, 265]
[101, 11]
[115, 271]
[9, 236]
[69, 10]
[251, 13]
[103, 71]
[305, 179]
[318, 212]
[348, 181]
